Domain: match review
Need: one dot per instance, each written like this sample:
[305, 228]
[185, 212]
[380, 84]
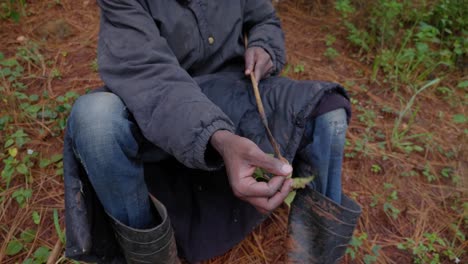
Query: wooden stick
[55, 252]
[261, 111]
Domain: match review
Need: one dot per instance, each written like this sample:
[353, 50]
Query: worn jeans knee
[100, 120]
[324, 151]
[105, 141]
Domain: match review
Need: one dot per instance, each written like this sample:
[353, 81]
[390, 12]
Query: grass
[405, 152]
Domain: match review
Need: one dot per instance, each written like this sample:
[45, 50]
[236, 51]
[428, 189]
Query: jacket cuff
[204, 156]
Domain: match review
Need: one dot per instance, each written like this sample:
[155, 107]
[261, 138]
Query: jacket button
[211, 40]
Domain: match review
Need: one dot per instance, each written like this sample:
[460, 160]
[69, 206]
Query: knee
[334, 122]
[334, 125]
[96, 116]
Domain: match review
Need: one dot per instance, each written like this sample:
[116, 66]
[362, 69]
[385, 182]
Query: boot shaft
[319, 229]
[154, 245]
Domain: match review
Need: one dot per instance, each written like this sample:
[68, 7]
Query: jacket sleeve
[264, 30]
[136, 63]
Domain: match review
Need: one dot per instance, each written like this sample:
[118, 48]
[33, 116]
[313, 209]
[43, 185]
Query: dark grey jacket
[178, 68]
[150, 50]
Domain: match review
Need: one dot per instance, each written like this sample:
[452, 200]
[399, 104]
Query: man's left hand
[258, 62]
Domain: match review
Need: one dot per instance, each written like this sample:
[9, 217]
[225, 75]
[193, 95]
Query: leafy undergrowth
[403, 63]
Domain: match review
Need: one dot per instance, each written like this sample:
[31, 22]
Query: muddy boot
[319, 229]
[154, 245]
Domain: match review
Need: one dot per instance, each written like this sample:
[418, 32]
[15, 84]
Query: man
[177, 106]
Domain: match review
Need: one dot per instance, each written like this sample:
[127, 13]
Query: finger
[263, 212]
[274, 166]
[251, 188]
[270, 68]
[249, 61]
[270, 204]
[260, 67]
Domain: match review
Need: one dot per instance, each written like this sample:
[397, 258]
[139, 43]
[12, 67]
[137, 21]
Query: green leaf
[22, 195]
[55, 158]
[41, 255]
[463, 84]
[44, 163]
[446, 172]
[36, 217]
[15, 16]
[28, 235]
[13, 152]
[418, 148]
[33, 97]
[459, 118]
[349, 251]
[368, 259]
[258, 174]
[5, 72]
[9, 62]
[14, 247]
[376, 249]
[301, 182]
[59, 231]
[59, 171]
[9, 142]
[33, 109]
[22, 169]
[290, 198]
[28, 261]
[72, 94]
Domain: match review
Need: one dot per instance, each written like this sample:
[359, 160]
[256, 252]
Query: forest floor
[414, 197]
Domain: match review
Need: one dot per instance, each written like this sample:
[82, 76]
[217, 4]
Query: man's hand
[258, 61]
[241, 157]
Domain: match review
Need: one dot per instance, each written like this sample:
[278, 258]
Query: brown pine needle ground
[377, 176]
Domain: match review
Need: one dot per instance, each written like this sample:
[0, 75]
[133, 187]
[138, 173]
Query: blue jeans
[112, 150]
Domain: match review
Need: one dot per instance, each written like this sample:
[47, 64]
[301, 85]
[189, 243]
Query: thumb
[272, 165]
[249, 61]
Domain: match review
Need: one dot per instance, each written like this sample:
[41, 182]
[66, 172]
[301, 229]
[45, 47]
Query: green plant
[356, 244]
[36, 217]
[400, 138]
[55, 74]
[330, 40]
[331, 53]
[407, 41]
[60, 232]
[94, 65]
[366, 116]
[13, 9]
[375, 168]
[429, 250]
[299, 68]
[427, 172]
[388, 206]
[372, 258]
[40, 256]
[21, 196]
[16, 245]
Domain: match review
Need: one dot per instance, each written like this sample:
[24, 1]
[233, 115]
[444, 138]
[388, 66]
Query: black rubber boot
[319, 229]
[154, 245]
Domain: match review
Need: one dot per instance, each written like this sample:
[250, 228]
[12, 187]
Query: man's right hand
[241, 156]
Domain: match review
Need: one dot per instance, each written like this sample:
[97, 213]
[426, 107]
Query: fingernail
[286, 168]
